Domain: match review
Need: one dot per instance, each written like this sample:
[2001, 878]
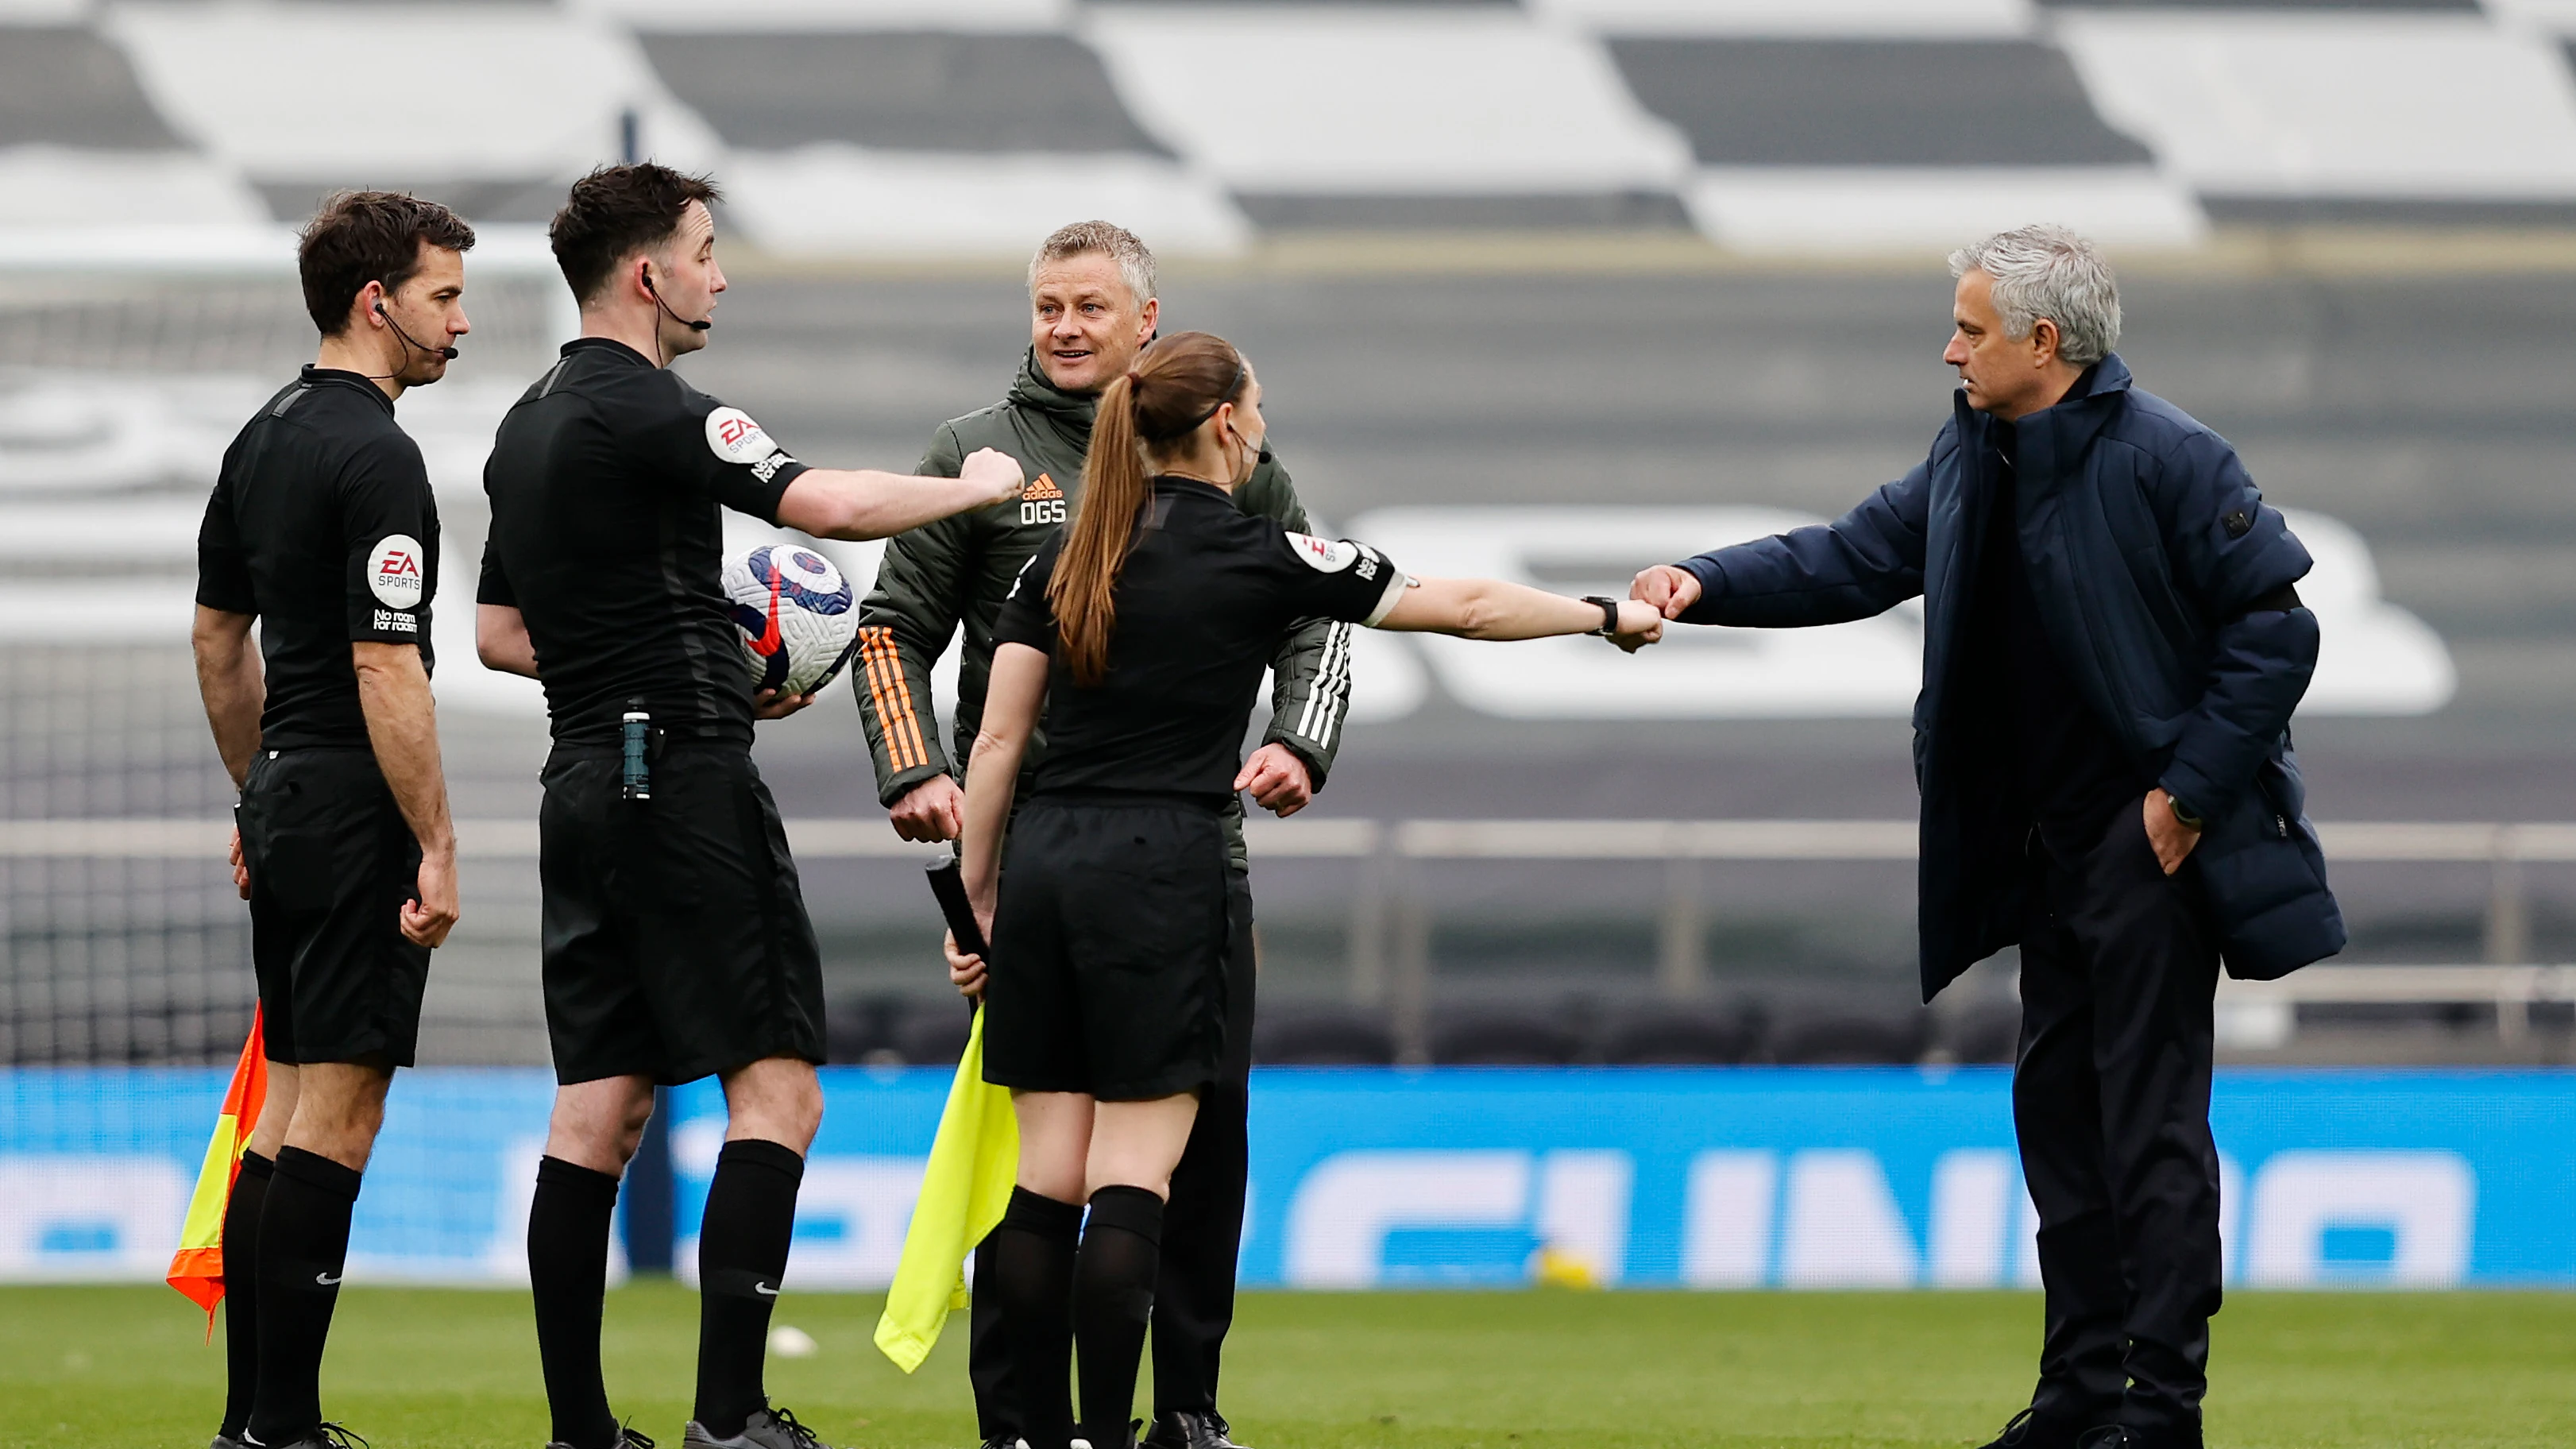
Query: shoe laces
[630, 1438]
[339, 1436]
[797, 1433]
[2016, 1428]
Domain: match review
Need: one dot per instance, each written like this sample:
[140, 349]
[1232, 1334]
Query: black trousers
[1202, 1229]
[2111, 1104]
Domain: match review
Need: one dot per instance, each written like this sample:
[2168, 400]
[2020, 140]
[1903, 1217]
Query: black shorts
[1111, 942]
[676, 941]
[331, 865]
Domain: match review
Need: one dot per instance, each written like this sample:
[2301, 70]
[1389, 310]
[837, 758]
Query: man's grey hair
[1083, 238]
[2049, 271]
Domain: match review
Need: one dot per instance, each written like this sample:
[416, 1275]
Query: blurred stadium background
[1553, 289]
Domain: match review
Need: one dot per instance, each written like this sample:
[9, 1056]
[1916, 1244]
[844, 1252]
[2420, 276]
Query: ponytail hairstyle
[1177, 383]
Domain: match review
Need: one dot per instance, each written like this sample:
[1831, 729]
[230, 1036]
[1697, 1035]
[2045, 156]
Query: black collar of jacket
[2048, 441]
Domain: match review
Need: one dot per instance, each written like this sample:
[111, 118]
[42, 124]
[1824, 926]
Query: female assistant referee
[1144, 633]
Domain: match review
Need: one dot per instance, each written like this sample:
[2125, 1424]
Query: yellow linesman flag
[973, 1163]
[197, 1269]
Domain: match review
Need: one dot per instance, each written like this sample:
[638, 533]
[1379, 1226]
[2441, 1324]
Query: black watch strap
[1609, 614]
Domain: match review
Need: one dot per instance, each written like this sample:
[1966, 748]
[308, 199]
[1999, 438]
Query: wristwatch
[1609, 614]
[2182, 812]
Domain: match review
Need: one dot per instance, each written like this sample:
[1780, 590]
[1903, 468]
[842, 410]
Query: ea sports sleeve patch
[396, 578]
[389, 528]
[1349, 581]
[1323, 555]
[742, 467]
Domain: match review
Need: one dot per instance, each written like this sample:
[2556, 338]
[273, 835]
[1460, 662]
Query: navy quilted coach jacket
[2148, 547]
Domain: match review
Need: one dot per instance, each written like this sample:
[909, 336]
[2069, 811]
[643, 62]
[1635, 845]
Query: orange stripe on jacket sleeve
[896, 719]
[899, 696]
[887, 729]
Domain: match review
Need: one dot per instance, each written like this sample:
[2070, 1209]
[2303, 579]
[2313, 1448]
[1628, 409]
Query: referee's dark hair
[1177, 383]
[368, 236]
[617, 211]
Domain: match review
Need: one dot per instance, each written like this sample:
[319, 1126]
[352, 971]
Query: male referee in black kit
[323, 531]
[2113, 645]
[1092, 308]
[676, 940]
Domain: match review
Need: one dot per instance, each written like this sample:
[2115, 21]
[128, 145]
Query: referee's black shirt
[605, 479]
[323, 525]
[1206, 593]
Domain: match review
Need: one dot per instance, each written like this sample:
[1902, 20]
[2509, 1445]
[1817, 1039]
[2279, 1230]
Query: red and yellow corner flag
[197, 1269]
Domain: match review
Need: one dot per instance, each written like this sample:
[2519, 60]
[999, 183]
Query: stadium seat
[1984, 1031]
[1359, 116]
[2353, 114]
[855, 1031]
[930, 1033]
[1535, 1036]
[1844, 1034]
[1670, 1035]
[1321, 1037]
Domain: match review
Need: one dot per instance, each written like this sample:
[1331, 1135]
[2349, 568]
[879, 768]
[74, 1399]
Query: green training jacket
[958, 570]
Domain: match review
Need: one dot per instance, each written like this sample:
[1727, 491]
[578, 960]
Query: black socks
[241, 1290]
[1030, 1274]
[568, 1276]
[303, 1246]
[1113, 1296]
[1053, 1295]
[742, 1253]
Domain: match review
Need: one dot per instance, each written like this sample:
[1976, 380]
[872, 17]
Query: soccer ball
[799, 617]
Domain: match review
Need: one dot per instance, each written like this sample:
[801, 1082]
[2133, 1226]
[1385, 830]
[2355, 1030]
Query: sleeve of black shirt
[1027, 617]
[223, 567]
[494, 586]
[386, 518]
[722, 455]
[1336, 579]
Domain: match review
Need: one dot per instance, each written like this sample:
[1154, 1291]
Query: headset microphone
[650, 291]
[447, 352]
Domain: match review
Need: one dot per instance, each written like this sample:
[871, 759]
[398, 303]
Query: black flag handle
[948, 882]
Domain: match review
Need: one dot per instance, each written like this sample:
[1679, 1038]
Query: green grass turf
[83, 1367]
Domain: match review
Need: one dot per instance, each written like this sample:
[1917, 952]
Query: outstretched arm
[1864, 563]
[864, 503]
[1011, 701]
[1495, 609]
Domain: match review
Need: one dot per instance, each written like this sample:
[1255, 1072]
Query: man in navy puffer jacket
[2113, 645]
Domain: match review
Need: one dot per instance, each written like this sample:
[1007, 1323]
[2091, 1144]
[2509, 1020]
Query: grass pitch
[128, 1367]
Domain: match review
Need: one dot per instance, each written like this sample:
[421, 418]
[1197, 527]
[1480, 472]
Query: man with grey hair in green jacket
[1092, 309]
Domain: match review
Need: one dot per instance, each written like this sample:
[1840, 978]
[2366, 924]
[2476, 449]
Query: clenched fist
[996, 471]
[1666, 587]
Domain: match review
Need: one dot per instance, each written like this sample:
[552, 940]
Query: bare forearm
[402, 725]
[992, 777]
[1490, 609]
[231, 681]
[501, 640]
